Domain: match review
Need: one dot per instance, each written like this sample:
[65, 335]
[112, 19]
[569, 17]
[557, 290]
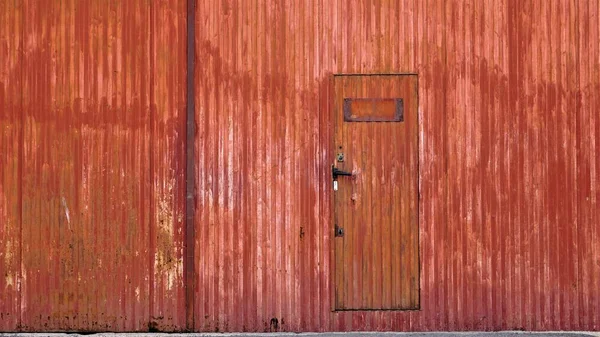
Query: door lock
[339, 231]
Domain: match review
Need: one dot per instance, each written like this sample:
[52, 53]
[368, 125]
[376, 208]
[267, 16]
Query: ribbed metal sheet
[92, 139]
[508, 101]
[92, 162]
[10, 161]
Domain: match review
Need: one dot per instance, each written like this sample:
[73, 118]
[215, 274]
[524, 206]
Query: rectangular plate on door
[373, 110]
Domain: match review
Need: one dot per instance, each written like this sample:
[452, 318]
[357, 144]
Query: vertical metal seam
[420, 218]
[578, 275]
[189, 175]
[152, 171]
[445, 146]
[21, 144]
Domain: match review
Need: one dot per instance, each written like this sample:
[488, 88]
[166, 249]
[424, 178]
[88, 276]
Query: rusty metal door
[375, 181]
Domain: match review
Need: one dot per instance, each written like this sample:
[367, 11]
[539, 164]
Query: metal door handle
[335, 172]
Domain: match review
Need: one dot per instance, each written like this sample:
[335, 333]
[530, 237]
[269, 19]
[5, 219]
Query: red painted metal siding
[10, 158]
[92, 163]
[92, 138]
[509, 129]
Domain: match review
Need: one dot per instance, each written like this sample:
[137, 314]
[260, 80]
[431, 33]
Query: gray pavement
[326, 334]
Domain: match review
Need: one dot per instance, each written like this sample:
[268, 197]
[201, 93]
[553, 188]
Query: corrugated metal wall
[92, 140]
[508, 101]
[10, 140]
[92, 127]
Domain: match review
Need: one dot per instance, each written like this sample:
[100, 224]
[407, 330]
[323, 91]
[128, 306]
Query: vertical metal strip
[152, 170]
[21, 155]
[189, 174]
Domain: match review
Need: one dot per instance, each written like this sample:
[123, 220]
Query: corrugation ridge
[544, 154]
[595, 104]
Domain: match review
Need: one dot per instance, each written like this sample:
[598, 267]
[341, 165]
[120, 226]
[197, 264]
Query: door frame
[329, 185]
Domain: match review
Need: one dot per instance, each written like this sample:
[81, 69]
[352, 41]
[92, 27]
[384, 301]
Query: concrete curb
[325, 334]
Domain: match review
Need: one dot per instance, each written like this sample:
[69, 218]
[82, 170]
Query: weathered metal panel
[83, 224]
[508, 100]
[168, 32]
[92, 165]
[190, 169]
[10, 161]
[92, 129]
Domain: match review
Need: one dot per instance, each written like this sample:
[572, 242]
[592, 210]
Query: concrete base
[325, 334]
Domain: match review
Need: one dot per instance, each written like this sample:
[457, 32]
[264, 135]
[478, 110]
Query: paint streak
[63, 203]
